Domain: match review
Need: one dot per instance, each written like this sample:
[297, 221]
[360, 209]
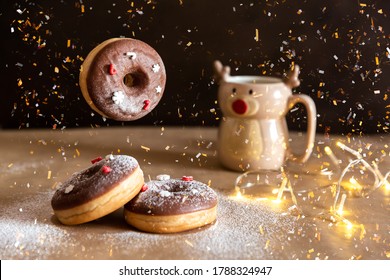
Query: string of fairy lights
[358, 179]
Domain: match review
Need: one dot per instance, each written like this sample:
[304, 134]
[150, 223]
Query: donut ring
[172, 205]
[122, 79]
[98, 190]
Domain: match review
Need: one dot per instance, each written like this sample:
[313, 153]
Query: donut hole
[135, 79]
[89, 173]
[180, 187]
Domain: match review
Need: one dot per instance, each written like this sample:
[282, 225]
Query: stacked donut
[163, 206]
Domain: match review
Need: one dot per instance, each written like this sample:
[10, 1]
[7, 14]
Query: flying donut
[122, 79]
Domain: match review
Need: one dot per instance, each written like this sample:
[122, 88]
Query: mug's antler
[292, 79]
[221, 72]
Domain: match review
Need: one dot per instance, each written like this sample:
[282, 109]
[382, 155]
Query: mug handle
[311, 124]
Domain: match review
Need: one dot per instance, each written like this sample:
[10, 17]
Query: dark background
[341, 46]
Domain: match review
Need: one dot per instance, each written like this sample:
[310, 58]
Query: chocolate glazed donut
[98, 190]
[123, 79]
[172, 205]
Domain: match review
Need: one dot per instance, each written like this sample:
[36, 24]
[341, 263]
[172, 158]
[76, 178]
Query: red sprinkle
[106, 169]
[144, 188]
[111, 69]
[146, 105]
[187, 178]
[96, 160]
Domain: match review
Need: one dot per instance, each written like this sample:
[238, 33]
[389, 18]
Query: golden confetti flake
[376, 60]
[261, 229]
[267, 244]
[189, 243]
[362, 232]
[147, 149]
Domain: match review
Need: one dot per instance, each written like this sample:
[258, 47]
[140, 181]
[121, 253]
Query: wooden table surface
[35, 161]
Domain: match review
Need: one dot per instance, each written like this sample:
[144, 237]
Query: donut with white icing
[102, 188]
[172, 205]
[122, 79]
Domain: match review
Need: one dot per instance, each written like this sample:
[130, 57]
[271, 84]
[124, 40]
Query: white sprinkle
[163, 177]
[69, 188]
[321, 71]
[156, 68]
[110, 157]
[165, 193]
[131, 55]
[158, 89]
[335, 57]
[377, 91]
[118, 97]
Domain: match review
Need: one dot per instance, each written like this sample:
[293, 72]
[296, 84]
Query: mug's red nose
[239, 106]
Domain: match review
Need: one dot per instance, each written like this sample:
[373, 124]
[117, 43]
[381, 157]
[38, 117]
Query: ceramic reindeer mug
[253, 133]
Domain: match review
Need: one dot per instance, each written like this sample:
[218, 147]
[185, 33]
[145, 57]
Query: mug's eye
[250, 91]
[234, 90]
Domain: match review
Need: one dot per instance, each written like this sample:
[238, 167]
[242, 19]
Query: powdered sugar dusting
[30, 234]
[173, 196]
[68, 189]
[165, 193]
[100, 177]
[243, 230]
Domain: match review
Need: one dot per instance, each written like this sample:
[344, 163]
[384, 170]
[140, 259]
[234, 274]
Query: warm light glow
[341, 206]
[277, 201]
[348, 224]
[328, 150]
[238, 195]
[355, 184]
